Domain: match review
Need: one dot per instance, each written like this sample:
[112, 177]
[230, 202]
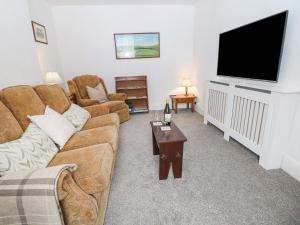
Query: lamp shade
[52, 78]
[186, 83]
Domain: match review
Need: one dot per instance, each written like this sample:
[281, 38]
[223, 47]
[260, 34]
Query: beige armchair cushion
[97, 93]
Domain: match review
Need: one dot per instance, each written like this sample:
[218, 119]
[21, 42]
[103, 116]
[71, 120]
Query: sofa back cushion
[87, 80]
[10, 129]
[22, 101]
[56, 126]
[53, 96]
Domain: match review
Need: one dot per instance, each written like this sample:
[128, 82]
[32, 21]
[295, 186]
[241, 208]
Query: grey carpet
[222, 182]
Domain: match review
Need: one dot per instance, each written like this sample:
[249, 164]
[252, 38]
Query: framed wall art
[137, 45]
[39, 32]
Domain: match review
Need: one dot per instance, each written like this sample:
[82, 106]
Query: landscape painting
[137, 45]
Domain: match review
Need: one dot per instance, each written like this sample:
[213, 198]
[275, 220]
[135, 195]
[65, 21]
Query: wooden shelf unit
[137, 92]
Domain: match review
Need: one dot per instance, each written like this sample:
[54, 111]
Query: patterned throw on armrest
[31, 197]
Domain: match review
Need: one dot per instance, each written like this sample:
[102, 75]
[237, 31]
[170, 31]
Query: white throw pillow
[34, 149]
[57, 127]
[77, 115]
[97, 93]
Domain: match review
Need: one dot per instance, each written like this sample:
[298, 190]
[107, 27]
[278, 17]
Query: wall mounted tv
[253, 51]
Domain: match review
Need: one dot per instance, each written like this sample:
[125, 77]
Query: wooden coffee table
[169, 146]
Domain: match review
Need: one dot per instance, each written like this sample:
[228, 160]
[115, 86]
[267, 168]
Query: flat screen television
[253, 51]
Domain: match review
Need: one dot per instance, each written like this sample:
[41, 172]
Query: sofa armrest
[77, 206]
[117, 97]
[87, 102]
[97, 110]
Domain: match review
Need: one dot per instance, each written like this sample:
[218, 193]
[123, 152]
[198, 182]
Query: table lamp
[52, 78]
[186, 83]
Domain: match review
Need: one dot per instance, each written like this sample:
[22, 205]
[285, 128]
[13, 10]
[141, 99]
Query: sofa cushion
[33, 150]
[53, 96]
[85, 80]
[94, 166]
[77, 115]
[101, 121]
[57, 127]
[22, 101]
[115, 105]
[100, 135]
[10, 129]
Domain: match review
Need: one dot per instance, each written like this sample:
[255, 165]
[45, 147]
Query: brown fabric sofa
[116, 103]
[83, 194]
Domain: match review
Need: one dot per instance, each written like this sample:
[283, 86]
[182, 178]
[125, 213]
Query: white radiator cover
[260, 119]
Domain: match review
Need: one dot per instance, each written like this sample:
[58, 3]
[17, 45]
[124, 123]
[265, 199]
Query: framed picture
[39, 32]
[137, 45]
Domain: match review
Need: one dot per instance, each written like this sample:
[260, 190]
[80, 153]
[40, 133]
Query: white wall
[86, 43]
[48, 56]
[18, 60]
[213, 17]
[22, 60]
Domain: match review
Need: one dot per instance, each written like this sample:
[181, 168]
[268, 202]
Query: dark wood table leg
[164, 161]
[164, 167]
[177, 161]
[193, 105]
[170, 153]
[187, 105]
[155, 146]
[176, 104]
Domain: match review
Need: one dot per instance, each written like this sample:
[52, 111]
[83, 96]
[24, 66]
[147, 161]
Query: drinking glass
[156, 115]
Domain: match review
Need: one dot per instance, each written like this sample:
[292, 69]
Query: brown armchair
[116, 103]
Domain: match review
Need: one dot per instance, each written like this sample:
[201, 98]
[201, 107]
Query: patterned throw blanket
[30, 197]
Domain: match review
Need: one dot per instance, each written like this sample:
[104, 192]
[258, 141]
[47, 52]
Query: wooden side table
[183, 99]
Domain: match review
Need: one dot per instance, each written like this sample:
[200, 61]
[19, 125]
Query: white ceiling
[122, 2]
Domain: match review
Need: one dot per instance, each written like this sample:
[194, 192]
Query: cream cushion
[77, 115]
[34, 149]
[57, 127]
[97, 93]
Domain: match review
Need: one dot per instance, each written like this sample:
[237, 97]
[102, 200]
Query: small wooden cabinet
[137, 92]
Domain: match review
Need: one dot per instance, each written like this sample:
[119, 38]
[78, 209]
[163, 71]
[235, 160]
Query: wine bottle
[167, 114]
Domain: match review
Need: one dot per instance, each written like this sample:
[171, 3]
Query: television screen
[253, 51]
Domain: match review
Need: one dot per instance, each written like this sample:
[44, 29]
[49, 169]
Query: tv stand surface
[264, 85]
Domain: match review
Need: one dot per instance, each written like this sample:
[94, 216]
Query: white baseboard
[291, 166]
